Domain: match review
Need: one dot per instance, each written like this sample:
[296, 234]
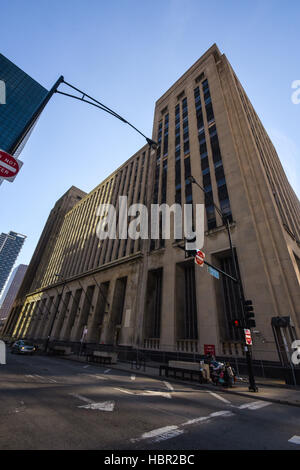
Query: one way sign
[9, 166]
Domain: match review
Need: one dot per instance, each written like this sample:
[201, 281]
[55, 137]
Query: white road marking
[85, 367]
[169, 386]
[52, 380]
[160, 434]
[124, 391]
[154, 393]
[20, 408]
[106, 371]
[91, 405]
[295, 440]
[260, 405]
[103, 406]
[254, 405]
[80, 397]
[168, 432]
[219, 397]
[144, 393]
[209, 417]
[132, 377]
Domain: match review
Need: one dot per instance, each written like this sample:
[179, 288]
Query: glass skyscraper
[23, 97]
[10, 246]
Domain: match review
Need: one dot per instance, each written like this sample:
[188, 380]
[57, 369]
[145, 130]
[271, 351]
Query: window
[209, 113]
[186, 147]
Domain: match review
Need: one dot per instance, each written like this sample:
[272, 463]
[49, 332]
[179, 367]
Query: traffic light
[249, 314]
[281, 322]
[237, 323]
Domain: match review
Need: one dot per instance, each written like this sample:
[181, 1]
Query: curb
[197, 386]
[212, 388]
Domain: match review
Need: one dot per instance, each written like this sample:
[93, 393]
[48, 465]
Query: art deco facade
[146, 293]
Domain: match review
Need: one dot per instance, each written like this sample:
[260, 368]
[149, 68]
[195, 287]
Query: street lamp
[98, 104]
[56, 311]
[92, 101]
[225, 220]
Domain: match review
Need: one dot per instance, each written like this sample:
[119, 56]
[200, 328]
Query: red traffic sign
[210, 349]
[9, 166]
[199, 258]
[248, 337]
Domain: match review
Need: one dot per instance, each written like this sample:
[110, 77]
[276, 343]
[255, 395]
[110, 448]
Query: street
[53, 403]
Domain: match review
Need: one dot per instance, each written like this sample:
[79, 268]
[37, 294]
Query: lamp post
[56, 311]
[224, 218]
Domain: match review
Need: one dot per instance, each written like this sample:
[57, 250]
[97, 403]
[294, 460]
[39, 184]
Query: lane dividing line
[146, 393]
[43, 378]
[154, 393]
[80, 397]
[106, 371]
[99, 377]
[294, 440]
[169, 386]
[124, 391]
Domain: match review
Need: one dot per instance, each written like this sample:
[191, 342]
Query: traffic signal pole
[252, 384]
[237, 280]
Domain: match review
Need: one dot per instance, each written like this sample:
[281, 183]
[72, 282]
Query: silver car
[23, 347]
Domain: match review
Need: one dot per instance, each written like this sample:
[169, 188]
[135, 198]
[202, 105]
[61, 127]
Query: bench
[102, 357]
[60, 350]
[179, 371]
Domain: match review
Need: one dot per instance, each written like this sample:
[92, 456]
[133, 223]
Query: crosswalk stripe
[254, 405]
[295, 440]
[219, 397]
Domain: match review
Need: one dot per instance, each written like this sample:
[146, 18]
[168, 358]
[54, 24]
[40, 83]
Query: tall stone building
[146, 293]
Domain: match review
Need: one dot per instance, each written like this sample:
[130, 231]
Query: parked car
[23, 347]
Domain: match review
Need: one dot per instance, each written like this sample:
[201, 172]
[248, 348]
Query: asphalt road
[53, 403]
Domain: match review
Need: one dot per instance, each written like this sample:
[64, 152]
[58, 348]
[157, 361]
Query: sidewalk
[272, 390]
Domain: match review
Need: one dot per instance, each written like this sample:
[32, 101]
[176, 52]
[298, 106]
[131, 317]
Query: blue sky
[127, 53]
